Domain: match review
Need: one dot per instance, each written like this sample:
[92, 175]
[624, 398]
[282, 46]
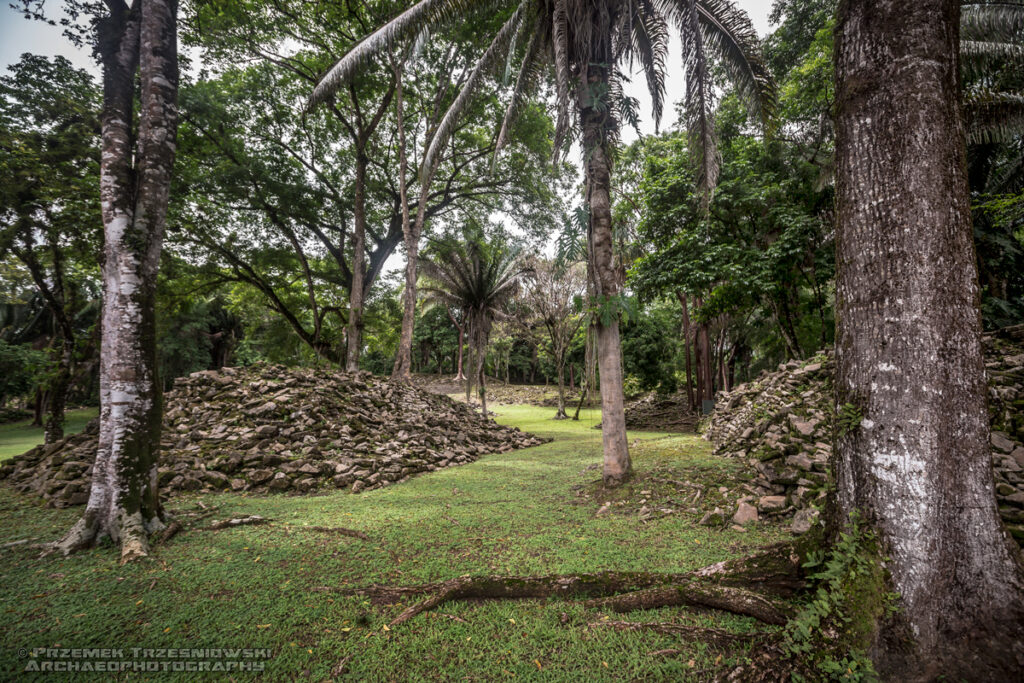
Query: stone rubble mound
[659, 413]
[270, 429]
[781, 424]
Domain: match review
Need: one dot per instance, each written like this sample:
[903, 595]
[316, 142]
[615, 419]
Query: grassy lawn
[18, 437]
[280, 587]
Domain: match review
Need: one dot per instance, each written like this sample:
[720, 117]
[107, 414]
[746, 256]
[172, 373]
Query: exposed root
[134, 537]
[239, 521]
[170, 532]
[81, 536]
[575, 585]
[776, 569]
[700, 594]
[691, 632]
[341, 531]
[641, 591]
[496, 587]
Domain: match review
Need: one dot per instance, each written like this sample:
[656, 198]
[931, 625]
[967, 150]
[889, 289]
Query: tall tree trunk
[908, 350]
[59, 393]
[412, 247]
[357, 295]
[461, 328]
[534, 362]
[560, 415]
[686, 349]
[481, 360]
[705, 378]
[470, 345]
[412, 241]
[38, 407]
[123, 501]
[597, 127]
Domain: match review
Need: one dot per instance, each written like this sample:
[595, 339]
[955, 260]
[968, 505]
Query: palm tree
[588, 42]
[479, 278]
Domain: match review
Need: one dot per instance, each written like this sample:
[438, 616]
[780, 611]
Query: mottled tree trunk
[38, 407]
[461, 327]
[597, 127]
[59, 393]
[702, 351]
[686, 349]
[470, 347]
[403, 359]
[481, 361]
[134, 185]
[412, 247]
[560, 415]
[909, 360]
[356, 294]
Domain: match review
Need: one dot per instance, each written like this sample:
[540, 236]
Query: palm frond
[529, 70]
[992, 21]
[699, 102]
[648, 44]
[1008, 177]
[980, 58]
[994, 117]
[423, 14]
[727, 31]
[500, 43]
[560, 55]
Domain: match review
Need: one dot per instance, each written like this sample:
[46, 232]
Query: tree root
[778, 569]
[170, 532]
[700, 633]
[341, 531]
[699, 594]
[520, 587]
[642, 591]
[574, 585]
[130, 530]
[239, 521]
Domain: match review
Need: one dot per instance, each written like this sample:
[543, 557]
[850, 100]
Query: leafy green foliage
[829, 638]
[649, 345]
[20, 369]
[848, 419]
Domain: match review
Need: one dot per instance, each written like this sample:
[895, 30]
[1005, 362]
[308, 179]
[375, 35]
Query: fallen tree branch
[699, 594]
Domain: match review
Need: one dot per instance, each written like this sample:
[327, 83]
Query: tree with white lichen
[137, 45]
[915, 459]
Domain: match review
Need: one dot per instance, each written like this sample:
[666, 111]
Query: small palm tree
[478, 277]
[588, 42]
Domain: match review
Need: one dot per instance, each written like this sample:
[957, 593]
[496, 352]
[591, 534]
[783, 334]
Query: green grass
[277, 586]
[18, 437]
